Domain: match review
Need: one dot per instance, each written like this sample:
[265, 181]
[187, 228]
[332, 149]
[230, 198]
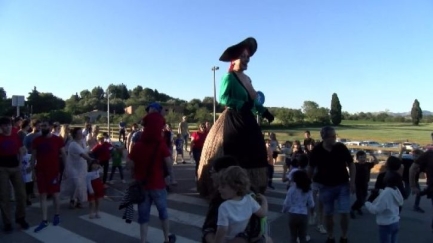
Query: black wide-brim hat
[233, 52]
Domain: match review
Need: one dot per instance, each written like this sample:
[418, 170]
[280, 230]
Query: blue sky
[375, 55]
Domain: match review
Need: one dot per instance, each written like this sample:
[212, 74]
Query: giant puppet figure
[236, 131]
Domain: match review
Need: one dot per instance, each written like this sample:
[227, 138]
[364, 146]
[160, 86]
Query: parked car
[343, 140]
[370, 143]
[354, 143]
[410, 146]
[390, 145]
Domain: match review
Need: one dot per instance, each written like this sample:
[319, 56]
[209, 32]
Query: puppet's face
[243, 60]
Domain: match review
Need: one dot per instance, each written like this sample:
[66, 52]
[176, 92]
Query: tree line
[45, 105]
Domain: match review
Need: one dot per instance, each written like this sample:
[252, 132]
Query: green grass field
[367, 130]
[353, 130]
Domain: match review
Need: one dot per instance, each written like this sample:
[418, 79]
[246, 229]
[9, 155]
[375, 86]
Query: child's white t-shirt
[290, 174]
[25, 164]
[236, 215]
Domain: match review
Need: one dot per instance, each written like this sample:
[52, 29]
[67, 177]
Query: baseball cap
[155, 106]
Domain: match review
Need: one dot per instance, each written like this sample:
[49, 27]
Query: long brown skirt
[240, 136]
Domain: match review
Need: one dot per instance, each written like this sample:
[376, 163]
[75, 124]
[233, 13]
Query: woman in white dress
[76, 169]
[91, 140]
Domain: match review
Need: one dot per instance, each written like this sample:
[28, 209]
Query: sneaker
[329, 240]
[171, 239]
[23, 224]
[29, 203]
[418, 209]
[360, 212]
[343, 240]
[97, 216]
[72, 204]
[8, 228]
[123, 181]
[272, 187]
[41, 226]
[184, 162]
[56, 220]
[321, 229]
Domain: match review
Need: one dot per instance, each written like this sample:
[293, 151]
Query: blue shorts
[159, 197]
[331, 195]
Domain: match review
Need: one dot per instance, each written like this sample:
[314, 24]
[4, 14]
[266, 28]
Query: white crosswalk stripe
[56, 234]
[111, 222]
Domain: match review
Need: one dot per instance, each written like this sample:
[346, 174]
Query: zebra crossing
[187, 213]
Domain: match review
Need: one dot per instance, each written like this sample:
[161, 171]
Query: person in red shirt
[16, 124]
[102, 152]
[11, 151]
[197, 142]
[45, 151]
[149, 156]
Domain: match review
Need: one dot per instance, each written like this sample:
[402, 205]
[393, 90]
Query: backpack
[257, 227]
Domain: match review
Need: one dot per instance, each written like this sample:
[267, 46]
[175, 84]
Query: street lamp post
[214, 69]
[107, 93]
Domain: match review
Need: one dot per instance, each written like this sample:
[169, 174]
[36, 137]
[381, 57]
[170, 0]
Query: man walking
[183, 130]
[11, 151]
[46, 150]
[328, 168]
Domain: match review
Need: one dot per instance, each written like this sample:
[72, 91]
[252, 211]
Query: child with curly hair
[235, 213]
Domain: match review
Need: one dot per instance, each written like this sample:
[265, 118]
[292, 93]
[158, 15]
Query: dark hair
[302, 181]
[324, 133]
[307, 132]
[392, 179]
[224, 162]
[360, 153]
[25, 123]
[75, 131]
[4, 120]
[35, 122]
[393, 163]
[300, 161]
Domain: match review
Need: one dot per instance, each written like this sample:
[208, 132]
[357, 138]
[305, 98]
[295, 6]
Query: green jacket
[116, 157]
[234, 95]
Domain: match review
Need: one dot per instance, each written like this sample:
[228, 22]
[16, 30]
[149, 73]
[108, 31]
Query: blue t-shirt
[179, 144]
[28, 140]
[136, 136]
[122, 125]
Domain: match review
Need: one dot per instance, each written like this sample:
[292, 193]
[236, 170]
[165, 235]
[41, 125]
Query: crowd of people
[234, 167]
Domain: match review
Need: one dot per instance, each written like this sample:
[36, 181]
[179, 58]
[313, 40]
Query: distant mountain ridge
[404, 114]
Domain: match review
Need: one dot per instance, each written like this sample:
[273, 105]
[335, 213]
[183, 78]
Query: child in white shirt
[27, 176]
[235, 213]
[95, 189]
[299, 200]
[386, 207]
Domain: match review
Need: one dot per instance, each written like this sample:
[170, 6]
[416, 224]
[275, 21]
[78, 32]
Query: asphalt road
[187, 212]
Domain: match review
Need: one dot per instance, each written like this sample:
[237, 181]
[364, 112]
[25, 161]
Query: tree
[310, 109]
[44, 102]
[2, 93]
[202, 115]
[335, 112]
[416, 113]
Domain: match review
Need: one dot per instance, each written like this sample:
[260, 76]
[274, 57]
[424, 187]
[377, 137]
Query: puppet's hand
[268, 116]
